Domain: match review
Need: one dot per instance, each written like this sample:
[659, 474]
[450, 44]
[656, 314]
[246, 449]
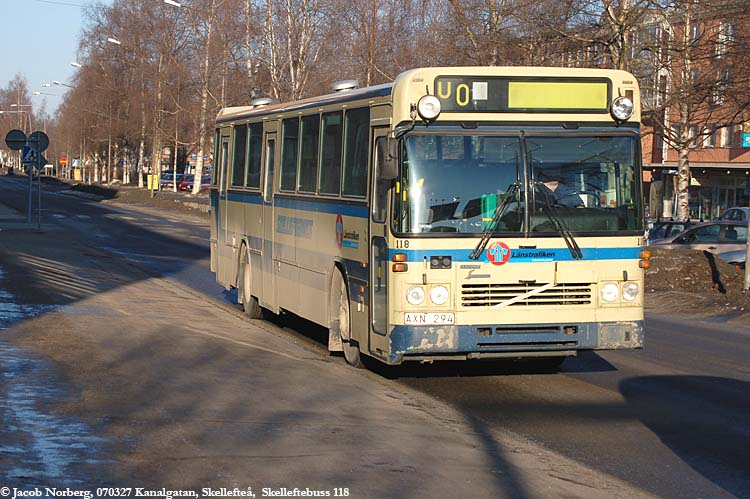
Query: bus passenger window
[238, 162]
[215, 177]
[289, 141]
[380, 191]
[355, 158]
[330, 154]
[254, 154]
[308, 168]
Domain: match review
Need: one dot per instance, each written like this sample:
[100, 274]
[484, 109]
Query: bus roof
[550, 89]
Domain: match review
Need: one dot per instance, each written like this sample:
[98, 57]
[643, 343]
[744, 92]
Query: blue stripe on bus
[324, 206]
[526, 255]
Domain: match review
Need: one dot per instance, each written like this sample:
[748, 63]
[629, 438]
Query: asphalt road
[672, 419]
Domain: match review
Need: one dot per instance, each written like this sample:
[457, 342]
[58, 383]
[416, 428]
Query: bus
[455, 213]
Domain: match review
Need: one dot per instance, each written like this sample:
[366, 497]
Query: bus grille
[487, 295]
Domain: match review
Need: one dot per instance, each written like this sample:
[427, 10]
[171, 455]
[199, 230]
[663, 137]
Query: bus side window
[308, 167]
[380, 194]
[356, 149]
[254, 154]
[215, 177]
[238, 162]
[330, 154]
[289, 147]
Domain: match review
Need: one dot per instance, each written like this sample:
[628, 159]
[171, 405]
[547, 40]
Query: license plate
[428, 319]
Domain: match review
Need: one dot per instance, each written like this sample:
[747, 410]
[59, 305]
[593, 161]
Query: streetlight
[76, 64]
[172, 2]
[45, 93]
[59, 83]
[114, 40]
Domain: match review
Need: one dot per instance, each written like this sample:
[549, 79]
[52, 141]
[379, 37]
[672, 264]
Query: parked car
[737, 214]
[664, 229]
[167, 180]
[718, 237]
[187, 182]
[736, 258]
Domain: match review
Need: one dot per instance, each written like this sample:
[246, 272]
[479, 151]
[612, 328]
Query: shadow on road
[712, 432]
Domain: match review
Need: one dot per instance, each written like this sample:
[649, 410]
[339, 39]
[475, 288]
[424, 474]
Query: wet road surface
[38, 446]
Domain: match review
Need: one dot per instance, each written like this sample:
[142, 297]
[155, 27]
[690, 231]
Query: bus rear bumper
[424, 343]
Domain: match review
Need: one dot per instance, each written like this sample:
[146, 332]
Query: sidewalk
[10, 219]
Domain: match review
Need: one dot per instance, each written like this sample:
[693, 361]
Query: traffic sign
[15, 139]
[63, 161]
[39, 141]
[28, 157]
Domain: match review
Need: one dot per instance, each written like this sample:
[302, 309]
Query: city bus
[455, 213]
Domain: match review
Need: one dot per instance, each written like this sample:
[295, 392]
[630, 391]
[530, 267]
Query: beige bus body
[290, 250]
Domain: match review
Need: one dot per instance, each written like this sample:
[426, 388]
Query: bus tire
[341, 320]
[249, 302]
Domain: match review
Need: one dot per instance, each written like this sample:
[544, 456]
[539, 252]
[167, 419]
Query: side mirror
[387, 156]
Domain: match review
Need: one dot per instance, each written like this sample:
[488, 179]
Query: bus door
[222, 244]
[378, 248]
[267, 296]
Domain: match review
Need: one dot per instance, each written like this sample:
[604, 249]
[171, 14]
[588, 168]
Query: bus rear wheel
[341, 320]
[249, 302]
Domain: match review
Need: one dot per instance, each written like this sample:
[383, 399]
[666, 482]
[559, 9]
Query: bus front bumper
[426, 343]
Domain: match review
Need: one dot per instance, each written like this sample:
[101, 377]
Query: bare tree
[706, 86]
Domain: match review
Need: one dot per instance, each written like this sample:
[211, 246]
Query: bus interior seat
[578, 219]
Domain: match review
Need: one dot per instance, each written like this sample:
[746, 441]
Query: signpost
[32, 148]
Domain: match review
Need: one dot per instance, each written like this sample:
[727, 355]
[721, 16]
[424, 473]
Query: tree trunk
[204, 104]
[683, 182]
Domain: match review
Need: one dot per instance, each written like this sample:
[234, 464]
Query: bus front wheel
[341, 320]
[250, 303]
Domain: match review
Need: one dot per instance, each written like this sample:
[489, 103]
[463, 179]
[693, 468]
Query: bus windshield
[468, 183]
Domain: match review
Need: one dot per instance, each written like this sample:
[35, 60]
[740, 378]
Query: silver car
[738, 214]
[716, 237]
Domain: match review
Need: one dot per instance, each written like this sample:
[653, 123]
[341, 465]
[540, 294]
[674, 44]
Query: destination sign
[472, 94]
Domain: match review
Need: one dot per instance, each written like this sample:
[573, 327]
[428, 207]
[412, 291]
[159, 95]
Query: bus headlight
[630, 291]
[439, 295]
[610, 292]
[415, 295]
[428, 107]
[622, 108]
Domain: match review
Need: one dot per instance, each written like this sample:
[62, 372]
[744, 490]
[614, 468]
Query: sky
[39, 39]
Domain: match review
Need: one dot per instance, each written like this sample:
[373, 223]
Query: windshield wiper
[490, 229]
[549, 209]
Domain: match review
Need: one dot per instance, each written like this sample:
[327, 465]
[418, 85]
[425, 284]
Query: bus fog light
[610, 292]
[622, 108]
[439, 295]
[428, 107]
[630, 291]
[415, 295]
